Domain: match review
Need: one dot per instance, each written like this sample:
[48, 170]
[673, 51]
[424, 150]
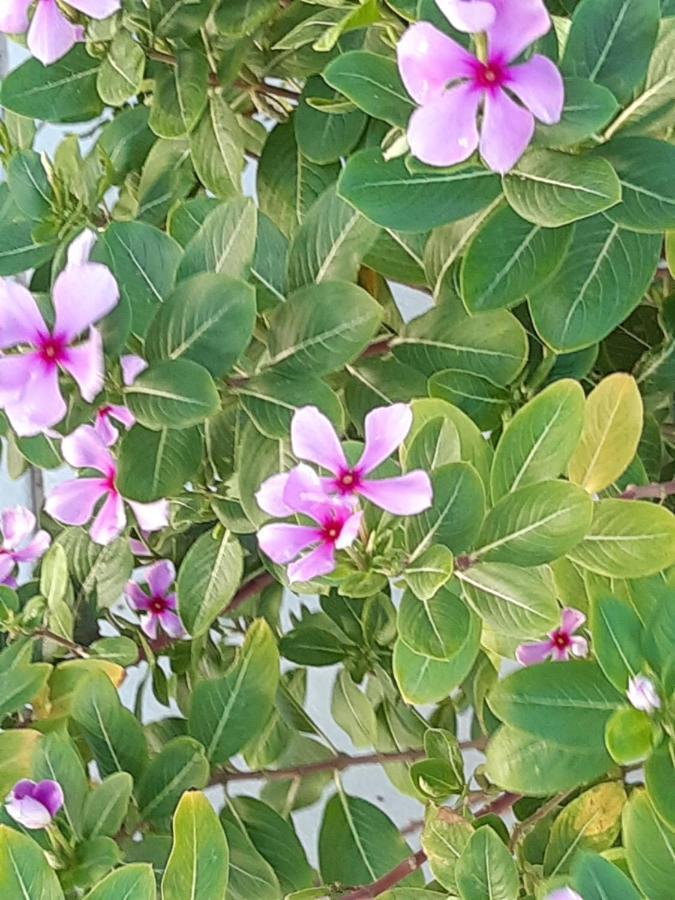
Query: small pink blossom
[73, 502]
[469, 15]
[34, 805]
[16, 526]
[642, 694]
[157, 603]
[450, 85]
[131, 366]
[560, 644]
[565, 893]
[83, 293]
[50, 34]
[313, 438]
[336, 528]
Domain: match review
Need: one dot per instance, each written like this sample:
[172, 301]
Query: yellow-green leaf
[198, 865]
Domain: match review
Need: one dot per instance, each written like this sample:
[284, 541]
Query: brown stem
[62, 641]
[249, 589]
[334, 764]
[522, 828]
[649, 491]
[379, 348]
[499, 805]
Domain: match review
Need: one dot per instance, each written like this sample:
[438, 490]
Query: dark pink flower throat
[561, 640]
[348, 481]
[489, 75]
[158, 604]
[52, 348]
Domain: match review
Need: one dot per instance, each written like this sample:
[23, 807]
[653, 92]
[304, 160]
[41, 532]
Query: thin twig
[249, 589]
[62, 641]
[653, 491]
[522, 828]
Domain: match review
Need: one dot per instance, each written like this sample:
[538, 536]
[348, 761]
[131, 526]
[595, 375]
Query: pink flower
[336, 528]
[444, 131]
[131, 366]
[73, 502]
[29, 381]
[158, 604]
[565, 893]
[469, 15]
[16, 525]
[313, 438]
[34, 805]
[642, 694]
[50, 34]
[560, 643]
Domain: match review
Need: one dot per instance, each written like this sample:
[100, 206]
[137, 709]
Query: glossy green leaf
[121, 72]
[650, 846]
[372, 83]
[250, 873]
[19, 686]
[172, 393]
[437, 627]
[57, 759]
[660, 782]
[352, 711]
[208, 577]
[181, 765]
[429, 572]
[587, 108]
[197, 868]
[325, 137]
[137, 881]
[616, 631]
[225, 243]
[24, 870]
[217, 148]
[628, 736]
[481, 399]
[486, 870]
[106, 806]
[599, 879]
[156, 464]
[444, 839]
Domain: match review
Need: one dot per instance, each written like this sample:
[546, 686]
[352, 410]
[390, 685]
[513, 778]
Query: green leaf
[588, 107]
[250, 873]
[538, 442]
[180, 95]
[114, 735]
[644, 167]
[519, 762]
[230, 711]
[167, 177]
[660, 782]
[629, 736]
[535, 524]
[610, 42]
[611, 433]
[330, 244]
[20, 685]
[54, 574]
[125, 141]
[29, 186]
[358, 843]
[325, 137]
[599, 879]
[650, 847]
[217, 147]
[600, 281]
[208, 318]
[271, 399]
[63, 92]
[207, 580]
[353, 711]
[156, 464]
[518, 602]
[242, 17]
[121, 73]
[486, 870]
[24, 870]
[429, 572]
[197, 868]
[137, 881]
[553, 189]
[455, 515]
[478, 397]
[225, 242]
[312, 646]
[181, 765]
[57, 759]
[144, 261]
[17, 749]
[320, 328]
[106, 806]
[437, 627]
[434, 779]
[617, 632]
[444, 838]
[268, 271]
[628, 539]
[180, 18]
[391, 195]
[173, 393]
[18, 251]
[372, 83]
[508, 258]
[583, 702]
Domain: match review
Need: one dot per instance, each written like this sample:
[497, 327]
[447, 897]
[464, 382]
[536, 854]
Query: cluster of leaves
[541, 382]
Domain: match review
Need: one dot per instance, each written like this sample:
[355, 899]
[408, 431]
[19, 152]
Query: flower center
[110, 485]
[560, 640]
[489, 75]
[104, 411]
[52, 349]
[157, 604]
[347, 482]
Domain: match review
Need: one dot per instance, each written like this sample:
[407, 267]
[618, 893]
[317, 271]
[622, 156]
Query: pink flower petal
[6, 569]
[83, 295]
[105, 429]
[313, 438]
[97, 9]
[468, 15]
[429, 60]
[20, 319]
[170, 601]
[349, 531]
[516, 26]
[151, 516]
[579, 646]
[49, 794]
[305, 493]
[28, 812]
[270, 496]
[136, 597]
[539, 85]
[73, 502]
[149, 625]
[16, 523]
[35, 548]
[40, 405]
[15, 373]
[319, 562]
[171, 624]
[405, 495]
[506, 131]
[571, 619]
[85, 364]
[23, 788]
[80, 248]
[84, 449]
[132, 366]
[385, 430]
[443, 132]
[14, 16]
[530, 654]
[560, 654]
[160, 576]
[122, 415]
[110, 520]
[282, 542]
[565, 893]
[50, 35]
